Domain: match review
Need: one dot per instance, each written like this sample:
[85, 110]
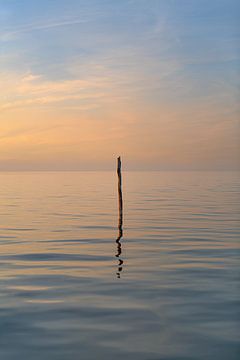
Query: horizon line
[112, 170]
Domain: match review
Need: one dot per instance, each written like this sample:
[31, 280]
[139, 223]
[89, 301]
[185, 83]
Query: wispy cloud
[30, 89]
[10, 34]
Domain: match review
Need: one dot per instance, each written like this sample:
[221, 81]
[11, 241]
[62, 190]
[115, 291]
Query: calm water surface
[171, 293]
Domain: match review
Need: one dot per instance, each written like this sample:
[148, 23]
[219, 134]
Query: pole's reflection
[120, 218]
[119, 247]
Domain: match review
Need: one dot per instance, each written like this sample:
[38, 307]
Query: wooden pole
[120, 199]
[120, 217]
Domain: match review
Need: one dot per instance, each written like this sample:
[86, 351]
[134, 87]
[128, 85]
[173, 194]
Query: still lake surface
[171, 294]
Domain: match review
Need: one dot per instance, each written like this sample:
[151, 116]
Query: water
[171, 294]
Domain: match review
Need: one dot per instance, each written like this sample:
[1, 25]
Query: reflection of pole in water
[120, 217]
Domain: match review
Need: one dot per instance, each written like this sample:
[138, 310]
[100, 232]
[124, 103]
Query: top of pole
[119, 163]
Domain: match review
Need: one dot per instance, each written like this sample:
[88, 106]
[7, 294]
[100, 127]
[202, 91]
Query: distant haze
[82, 82]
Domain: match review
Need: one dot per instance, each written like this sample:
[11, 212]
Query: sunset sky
[156, 81]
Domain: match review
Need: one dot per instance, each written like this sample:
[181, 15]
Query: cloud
[24, 90]
[13, 34]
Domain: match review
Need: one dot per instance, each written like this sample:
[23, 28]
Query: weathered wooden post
[120, 199]
[120, 216]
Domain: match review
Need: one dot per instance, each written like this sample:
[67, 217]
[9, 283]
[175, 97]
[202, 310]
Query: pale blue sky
[171, 67]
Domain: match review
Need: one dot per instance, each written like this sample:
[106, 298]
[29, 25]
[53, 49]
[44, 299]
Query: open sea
[167, 290]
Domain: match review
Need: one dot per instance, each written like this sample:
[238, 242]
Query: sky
[155, 81]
